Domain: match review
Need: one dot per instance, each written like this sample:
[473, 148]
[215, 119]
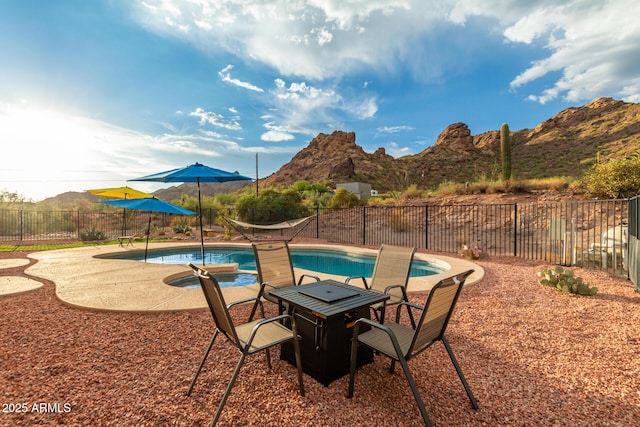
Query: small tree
[614, 179]
[343, 199]
[271, 206]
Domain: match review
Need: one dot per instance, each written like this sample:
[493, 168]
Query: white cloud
[594, 46]
[395, 150]
[215, 119]
[324, 39]
[394, 129]
[276, 136]
[225, 75]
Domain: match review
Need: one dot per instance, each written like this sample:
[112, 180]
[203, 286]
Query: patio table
[325, 312]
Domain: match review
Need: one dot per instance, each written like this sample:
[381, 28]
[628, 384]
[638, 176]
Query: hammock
[279, 226]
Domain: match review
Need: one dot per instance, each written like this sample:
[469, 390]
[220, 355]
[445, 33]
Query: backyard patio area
[531, 356]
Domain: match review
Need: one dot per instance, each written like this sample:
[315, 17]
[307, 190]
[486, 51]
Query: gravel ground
[531, 356]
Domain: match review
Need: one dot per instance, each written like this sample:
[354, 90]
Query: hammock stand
[239, 225]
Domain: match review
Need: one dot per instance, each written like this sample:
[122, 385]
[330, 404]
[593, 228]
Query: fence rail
[593, 234]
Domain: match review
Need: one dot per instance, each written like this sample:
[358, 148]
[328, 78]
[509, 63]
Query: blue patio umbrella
[150, 204]
[195, 173]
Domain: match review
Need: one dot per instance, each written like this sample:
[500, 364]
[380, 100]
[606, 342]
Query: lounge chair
[275, 271]
[401, 343]
[249, 338]
[390, 276]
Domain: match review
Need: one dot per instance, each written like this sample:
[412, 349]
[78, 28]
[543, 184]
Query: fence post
[364, 225]
[317, 221]
[426, 227]
[515, 229]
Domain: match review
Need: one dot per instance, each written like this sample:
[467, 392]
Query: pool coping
[85, 279]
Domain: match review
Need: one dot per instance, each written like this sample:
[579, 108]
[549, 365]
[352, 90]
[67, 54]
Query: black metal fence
[31, 225]
[593, 234]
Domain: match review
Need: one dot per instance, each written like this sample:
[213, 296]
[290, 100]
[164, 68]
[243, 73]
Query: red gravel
[531, 356]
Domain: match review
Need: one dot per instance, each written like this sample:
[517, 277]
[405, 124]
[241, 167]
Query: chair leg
[228, 390]
[354, 357]
[255, 307]
[296, 349]
[416, 393]
[383, 311]
[460, 374]
[206, 353]
[268, 358]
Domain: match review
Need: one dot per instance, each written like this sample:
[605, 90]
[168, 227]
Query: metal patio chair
[390, 276]
[248, 338]
[401, 343]
[275, 271]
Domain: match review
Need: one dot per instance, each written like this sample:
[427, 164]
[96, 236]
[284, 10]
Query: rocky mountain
[564, 145]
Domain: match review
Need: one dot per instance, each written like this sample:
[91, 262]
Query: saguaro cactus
[505, 148]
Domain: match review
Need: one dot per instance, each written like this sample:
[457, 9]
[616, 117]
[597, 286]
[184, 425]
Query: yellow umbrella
[120, 193]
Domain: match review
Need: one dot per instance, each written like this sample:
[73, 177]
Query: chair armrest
[263, 284]
[242, 301]
[382, 327]
[388, 288]
[409, 306]
[263, 322]
[308, 275]
[364, 280]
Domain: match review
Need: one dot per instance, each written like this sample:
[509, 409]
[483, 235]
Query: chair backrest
[437, 311]
[393, 265]
[217, 304]
[273, 262]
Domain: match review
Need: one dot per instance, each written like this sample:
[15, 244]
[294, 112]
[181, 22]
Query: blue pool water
[321, 261]
[225, 280]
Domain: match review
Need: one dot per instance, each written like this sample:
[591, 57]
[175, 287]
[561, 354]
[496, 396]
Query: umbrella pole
[200, 215]
[146, 248]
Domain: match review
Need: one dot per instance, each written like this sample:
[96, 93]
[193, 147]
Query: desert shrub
[412, 193]
[271, 206]
[343, 199]
[564, 280]
[304, 185]
[181, 226]
[92, 233]
[472, 250]
[617, 178]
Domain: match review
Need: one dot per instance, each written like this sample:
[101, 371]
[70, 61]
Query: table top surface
[364, 297]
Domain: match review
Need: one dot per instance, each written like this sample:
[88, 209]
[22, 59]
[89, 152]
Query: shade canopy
[119, 193]
[150, 204]
[194, 173]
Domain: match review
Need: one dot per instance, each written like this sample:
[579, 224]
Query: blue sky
[93, 93]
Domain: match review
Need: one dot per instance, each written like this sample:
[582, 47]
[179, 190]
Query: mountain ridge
[564, 145]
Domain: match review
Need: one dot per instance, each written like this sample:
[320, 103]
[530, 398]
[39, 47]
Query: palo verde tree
[271, 206]
[505, 149]
[616, 178]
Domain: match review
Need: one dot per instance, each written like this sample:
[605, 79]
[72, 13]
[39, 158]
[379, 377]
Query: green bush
[182, 227]
[614, 179]
[564, 280]
[343, 199]
[271, 206]
[91, 234]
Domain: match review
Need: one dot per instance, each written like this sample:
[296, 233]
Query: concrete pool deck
[84, 279]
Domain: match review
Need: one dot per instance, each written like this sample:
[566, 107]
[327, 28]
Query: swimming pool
[319, 260]
[225, 280]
